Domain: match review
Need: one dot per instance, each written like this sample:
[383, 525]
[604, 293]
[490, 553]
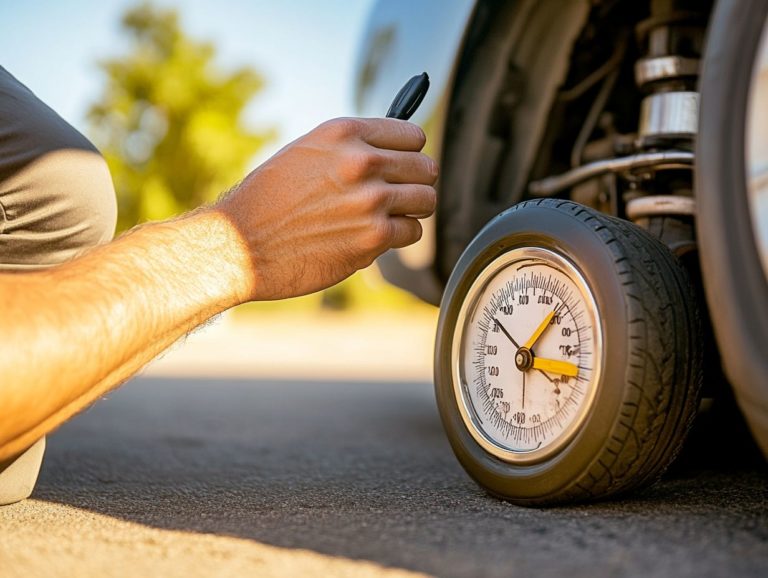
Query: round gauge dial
[526, 354]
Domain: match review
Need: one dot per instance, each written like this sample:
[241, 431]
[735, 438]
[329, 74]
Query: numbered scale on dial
[527, 354]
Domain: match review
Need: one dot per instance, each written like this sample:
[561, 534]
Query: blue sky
[305, 49]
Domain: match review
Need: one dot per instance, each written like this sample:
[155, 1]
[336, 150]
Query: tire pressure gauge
[526, 353]
[567, 360]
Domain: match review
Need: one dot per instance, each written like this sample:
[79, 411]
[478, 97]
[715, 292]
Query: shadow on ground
[363, 471]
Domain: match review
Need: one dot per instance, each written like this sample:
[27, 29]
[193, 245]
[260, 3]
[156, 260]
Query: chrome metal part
[756, 145]
[660, 205]
[669, 114]
[654, 161]
[665, 68]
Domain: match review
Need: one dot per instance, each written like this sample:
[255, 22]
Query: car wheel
[732, 199]
[614, 326]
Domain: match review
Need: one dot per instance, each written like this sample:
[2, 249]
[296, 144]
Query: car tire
[648, 391]
[734, 281]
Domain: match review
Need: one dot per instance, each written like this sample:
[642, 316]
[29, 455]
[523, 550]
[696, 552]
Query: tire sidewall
[735, 283]
[539, 224]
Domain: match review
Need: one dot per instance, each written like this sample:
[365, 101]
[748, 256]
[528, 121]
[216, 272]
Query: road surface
[222, 476]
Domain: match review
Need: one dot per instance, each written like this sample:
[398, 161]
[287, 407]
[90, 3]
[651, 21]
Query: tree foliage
[169, 121]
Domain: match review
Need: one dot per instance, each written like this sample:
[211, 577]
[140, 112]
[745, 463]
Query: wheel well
[524, 89]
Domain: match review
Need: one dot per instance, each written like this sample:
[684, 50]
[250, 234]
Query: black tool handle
[409, 98]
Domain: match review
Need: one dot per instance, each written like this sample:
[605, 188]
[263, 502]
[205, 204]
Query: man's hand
[323, 207]
[329, 203]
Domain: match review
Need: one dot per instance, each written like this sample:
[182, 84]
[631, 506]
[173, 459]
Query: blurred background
[183, 98]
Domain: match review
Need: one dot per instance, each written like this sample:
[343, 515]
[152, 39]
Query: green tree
[169, 121]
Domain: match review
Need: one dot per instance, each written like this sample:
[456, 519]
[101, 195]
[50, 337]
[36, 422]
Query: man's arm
[320, 209]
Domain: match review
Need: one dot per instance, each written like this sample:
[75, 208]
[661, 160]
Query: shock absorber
[671, 40]
[657, 177]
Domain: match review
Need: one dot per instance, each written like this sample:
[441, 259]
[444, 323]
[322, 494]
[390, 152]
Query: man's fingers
[386, 133]
[411, 200]
[409, 167]
[393, 134]
[404, 231]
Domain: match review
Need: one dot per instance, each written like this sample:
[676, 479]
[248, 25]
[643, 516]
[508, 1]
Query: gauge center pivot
[524, 359]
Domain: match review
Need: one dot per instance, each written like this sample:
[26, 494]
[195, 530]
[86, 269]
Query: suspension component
[668, 116]
[660, 205]
[671, 39]
[640, 164]
[659, 68]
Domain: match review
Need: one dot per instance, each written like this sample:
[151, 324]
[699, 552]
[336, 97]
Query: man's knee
[56, 194]
[55, 208]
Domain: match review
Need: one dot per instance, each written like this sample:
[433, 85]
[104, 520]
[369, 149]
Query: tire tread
[663, 376]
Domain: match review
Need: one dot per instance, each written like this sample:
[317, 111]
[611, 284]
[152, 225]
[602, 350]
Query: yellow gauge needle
[561, 367]
[539, 330]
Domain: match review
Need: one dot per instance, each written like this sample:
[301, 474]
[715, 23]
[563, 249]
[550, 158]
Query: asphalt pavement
[270, 477]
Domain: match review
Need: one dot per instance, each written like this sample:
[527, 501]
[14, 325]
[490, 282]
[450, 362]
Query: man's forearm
[324, 206]
[71, 333]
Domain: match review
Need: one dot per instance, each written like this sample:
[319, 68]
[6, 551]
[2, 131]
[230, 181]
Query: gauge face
[527, 353]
